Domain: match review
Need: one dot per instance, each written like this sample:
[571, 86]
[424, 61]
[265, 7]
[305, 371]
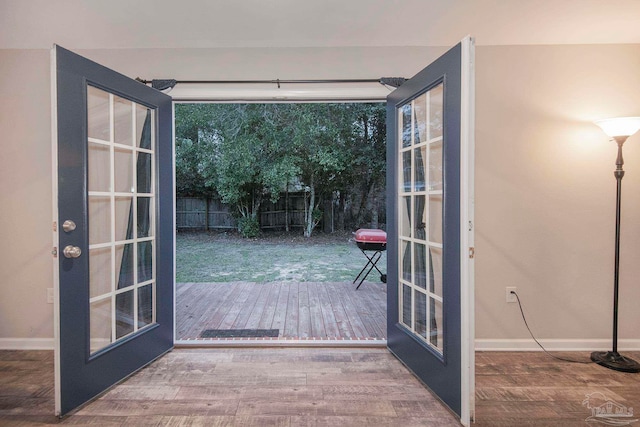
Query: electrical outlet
[511, 297]
[49, 295]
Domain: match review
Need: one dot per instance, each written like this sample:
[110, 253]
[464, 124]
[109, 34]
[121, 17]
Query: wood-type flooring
[317, 387]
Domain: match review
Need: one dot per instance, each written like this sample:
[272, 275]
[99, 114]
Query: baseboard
[26, 344]
[555, 344]
[482, 344]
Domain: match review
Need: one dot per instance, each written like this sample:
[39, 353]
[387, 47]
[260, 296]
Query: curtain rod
[162, 84]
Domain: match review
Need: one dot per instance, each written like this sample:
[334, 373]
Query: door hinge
[55, 226]
[472, 252]
[54, 252]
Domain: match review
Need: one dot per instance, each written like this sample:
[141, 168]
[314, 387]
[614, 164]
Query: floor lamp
[619, 130]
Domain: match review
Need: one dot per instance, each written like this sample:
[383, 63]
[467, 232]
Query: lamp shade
[620, 126]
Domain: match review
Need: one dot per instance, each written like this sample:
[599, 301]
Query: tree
[247, 152]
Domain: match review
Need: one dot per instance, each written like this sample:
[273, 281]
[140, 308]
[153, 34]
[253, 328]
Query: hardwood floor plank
[315, 407]
[366, 421]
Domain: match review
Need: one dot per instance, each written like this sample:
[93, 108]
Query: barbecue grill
[371, 240]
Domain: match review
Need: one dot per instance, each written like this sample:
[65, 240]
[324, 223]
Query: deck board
[318, 310]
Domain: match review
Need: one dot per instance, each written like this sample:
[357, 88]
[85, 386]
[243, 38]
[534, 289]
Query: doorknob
[69, 226]
[71, 251]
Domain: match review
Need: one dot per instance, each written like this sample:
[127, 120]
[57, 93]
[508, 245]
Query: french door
[113, 227]
[430, 226]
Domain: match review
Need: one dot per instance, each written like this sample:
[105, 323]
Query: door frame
[467, 230]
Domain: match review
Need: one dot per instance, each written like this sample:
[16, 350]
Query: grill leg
[371, 261]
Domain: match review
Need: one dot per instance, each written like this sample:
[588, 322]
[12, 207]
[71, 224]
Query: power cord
[537, 342]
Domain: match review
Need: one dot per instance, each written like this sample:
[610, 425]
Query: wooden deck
[300, 311]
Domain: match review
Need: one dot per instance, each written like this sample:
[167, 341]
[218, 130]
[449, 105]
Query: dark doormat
[239, 333]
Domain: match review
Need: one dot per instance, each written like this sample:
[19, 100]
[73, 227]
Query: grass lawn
[227, 257]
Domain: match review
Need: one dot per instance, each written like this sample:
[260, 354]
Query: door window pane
[145, 225]
[124, 314]
[406, 171]
[144, 118]
[123, 159]
[435, 329]
[406, 125]
[420, 215]
[406, 305]
[435, 271]
[145, 261]
[100, 324]
[420, 265]
[123, 116]
[145, 305]
[420, 118]
[435, 218]
[420, 310]
[406, 261]
[124, 218]
[98, 114]
[144, 173]
[420, 167]
[124, 266]
[435, 166]
[99, 263]
[99, 167]
[405, 216]
[99, 219]
[435, 111]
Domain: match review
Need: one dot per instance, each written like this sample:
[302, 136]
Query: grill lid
[370, 235]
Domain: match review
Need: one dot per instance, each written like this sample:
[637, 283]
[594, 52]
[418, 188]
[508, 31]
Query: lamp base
[616, 361]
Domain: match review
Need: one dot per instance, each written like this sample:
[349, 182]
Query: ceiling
[104, 24]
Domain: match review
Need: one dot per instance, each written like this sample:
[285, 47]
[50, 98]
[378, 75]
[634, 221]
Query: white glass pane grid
[412, 191]
[134, 149]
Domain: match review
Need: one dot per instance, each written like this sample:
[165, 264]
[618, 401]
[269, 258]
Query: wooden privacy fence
[210, 214]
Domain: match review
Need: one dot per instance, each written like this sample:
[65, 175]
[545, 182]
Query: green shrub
[248, 226]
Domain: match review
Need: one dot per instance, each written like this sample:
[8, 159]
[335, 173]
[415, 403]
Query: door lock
[72, 251]
[68, 226]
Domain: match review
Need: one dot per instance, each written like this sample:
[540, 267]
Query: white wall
[544, 182]
[25, 195]
[546, 192]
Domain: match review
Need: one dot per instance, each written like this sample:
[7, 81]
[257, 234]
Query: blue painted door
[114, 227]
[428, 321]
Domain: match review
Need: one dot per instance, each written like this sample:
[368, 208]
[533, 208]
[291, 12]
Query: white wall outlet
[49, 295]
[511, 297]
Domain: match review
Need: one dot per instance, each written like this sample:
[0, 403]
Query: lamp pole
[612, 359]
